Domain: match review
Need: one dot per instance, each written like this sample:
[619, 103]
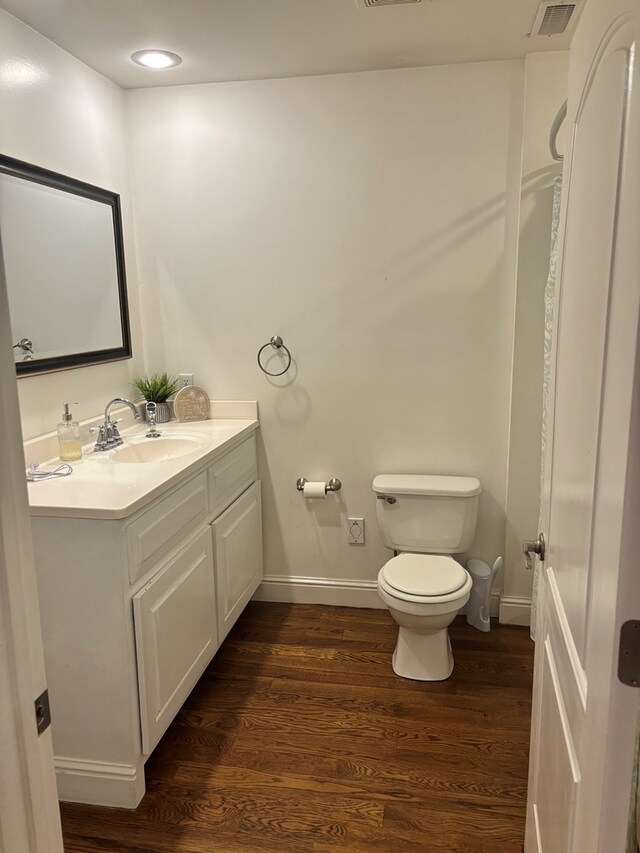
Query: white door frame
[29, 812]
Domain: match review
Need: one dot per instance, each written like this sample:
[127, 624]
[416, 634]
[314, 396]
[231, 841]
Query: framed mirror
[63, 255]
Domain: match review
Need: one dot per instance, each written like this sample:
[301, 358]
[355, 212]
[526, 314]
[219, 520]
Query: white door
[583, 717]
[29, 816]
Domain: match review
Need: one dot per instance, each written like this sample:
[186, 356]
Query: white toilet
[425, 518]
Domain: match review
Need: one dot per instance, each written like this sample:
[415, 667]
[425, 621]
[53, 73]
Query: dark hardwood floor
[299, 737]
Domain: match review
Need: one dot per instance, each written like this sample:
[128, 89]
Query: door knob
[533, 546]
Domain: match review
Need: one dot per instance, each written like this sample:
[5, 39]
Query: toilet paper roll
[314, 490]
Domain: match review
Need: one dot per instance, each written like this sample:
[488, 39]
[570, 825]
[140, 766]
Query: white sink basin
[157, 449]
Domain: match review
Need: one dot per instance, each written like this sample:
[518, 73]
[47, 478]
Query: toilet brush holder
[478, 604]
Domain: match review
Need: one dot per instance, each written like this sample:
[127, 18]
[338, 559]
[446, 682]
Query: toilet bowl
[426, 518]
[424, 593]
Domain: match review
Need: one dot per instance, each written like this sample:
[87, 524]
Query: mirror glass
[63, 259]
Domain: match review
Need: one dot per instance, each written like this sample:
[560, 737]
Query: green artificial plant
[157, 388]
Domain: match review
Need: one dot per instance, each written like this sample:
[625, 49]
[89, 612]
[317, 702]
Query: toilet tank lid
[426, 484]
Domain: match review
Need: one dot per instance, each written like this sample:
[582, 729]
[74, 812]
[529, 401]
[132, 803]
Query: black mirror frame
[38, 175]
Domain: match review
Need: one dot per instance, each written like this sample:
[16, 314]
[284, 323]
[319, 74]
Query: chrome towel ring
[277, 343]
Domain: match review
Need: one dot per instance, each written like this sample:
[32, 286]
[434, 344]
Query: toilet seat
[424, 578]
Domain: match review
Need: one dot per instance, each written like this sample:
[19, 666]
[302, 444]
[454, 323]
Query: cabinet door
[176, 636]
[237, 536]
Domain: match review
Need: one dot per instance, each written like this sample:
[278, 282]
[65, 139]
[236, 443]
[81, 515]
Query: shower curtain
[549, 297]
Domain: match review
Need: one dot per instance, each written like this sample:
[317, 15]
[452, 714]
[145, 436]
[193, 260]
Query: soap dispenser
[69, 447]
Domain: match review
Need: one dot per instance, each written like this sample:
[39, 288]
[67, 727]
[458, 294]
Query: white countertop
[99, 487]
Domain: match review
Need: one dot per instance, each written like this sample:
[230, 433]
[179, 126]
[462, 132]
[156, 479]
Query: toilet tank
[425, 513]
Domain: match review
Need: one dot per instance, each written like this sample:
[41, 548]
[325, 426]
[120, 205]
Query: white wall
[58, 113]
[371, 220]
[545, 90]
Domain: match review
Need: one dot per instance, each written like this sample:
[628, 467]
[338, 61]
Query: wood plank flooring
[299, 737]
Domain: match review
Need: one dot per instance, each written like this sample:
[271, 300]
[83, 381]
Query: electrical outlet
[185, 379]
[355, 531]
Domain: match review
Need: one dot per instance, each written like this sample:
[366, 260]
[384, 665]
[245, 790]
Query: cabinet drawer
[154, 534]
[176, 635]
[231, 475]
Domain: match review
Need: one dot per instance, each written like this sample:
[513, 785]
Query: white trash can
[478, 604]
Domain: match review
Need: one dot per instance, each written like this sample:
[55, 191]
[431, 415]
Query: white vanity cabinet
[134, 609]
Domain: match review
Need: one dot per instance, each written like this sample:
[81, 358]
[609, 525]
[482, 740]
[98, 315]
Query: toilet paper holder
[332, 485]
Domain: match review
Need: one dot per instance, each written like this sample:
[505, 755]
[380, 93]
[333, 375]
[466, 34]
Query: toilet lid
[424, 574]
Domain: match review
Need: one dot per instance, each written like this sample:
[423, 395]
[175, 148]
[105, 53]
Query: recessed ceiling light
[156, 58]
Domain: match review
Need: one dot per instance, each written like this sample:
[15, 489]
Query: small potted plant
[157, 389]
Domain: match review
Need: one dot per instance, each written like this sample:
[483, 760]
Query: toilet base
[423, 657]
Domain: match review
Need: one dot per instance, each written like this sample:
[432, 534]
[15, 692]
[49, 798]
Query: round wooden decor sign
[191, 404]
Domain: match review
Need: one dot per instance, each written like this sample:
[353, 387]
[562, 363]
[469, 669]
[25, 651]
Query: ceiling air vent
[553, 19]
[372, 4]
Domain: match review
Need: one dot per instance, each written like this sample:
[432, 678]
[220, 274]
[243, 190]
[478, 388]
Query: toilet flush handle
[388, 498]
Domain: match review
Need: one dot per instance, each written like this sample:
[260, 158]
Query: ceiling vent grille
[372, 4]
[553, 19]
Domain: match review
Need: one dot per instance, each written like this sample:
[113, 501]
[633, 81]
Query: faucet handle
[101, 441]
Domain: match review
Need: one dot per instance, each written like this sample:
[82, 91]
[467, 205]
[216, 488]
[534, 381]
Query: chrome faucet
[108, 435]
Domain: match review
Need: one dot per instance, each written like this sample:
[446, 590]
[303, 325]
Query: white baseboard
[515, 610]
[342, 593]
[99, 783]
[300, 590]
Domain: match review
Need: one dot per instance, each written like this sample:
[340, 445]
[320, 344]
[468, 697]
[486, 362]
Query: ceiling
[254, 39]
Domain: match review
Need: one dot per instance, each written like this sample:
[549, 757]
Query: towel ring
[277, 343]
